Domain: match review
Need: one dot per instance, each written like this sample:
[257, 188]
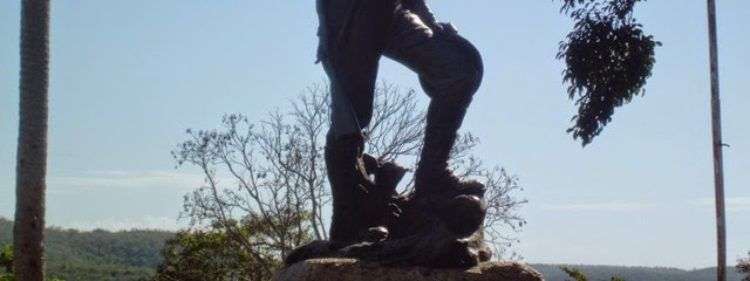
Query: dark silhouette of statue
[440, 223]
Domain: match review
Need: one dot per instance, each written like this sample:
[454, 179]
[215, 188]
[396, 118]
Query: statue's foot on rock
[329, 249]
[353, 270]
[313, 250]
[462, 214]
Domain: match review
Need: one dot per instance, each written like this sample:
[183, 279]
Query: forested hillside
[98, 255]
[604, 273]
[133, 255]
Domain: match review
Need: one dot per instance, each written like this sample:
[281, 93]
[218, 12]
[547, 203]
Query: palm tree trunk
[31, 166]
[718, 145]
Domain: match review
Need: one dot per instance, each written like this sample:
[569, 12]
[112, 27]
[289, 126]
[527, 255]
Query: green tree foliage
[608, 58]
[578, 275]
[6, 277]
[574, 273]
[743, 266]
[213, 254]
[98, 255]
[6, 263]
[6, 258]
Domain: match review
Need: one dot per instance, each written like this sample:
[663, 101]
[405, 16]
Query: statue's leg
[450, 71]
[438, 229]
[352, 40]
[352, 71]
[441, 225]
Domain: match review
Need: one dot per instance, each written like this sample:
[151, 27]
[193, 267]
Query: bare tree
[273, 170]
[31, 169]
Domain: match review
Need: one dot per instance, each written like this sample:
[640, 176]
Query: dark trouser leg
[348, 187]
[450, 70]
[351, 108]
[352, 72]
[443, 121]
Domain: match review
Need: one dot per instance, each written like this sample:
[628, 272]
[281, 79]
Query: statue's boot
[349, 187]
[451, 87]
[359, 209]
[443, 225]
[433, 178]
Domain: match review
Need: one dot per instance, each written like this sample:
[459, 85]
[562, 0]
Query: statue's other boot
[433, 177]
[451, 89]
[452, 210]
[352, 195]
[349, 186]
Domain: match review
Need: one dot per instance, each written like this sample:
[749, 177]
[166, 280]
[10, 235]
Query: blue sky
[127, 77]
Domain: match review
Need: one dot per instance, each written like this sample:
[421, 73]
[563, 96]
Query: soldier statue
[354, 35]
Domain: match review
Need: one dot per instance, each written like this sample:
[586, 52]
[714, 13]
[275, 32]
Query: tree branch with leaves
[608, 60]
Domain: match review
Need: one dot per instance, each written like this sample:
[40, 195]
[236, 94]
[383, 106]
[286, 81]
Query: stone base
[354, 270]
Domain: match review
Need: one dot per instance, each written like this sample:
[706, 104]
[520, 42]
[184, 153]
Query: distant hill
[604, 273]
[98, 255]
[133, 255]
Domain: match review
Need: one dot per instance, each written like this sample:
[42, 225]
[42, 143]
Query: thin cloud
[733, 204]
[121, 224]
[601, 207]
[124, 179]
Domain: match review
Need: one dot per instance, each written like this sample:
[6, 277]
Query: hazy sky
[127, 77]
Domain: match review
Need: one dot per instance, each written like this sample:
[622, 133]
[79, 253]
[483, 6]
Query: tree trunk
[31, 167]
[718, 145]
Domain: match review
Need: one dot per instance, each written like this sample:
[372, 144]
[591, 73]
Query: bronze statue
[440, 223]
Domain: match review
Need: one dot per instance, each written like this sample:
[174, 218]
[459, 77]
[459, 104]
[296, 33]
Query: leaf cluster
[6, 263]
[213, 254]
[608, 60]
[6, 258]
[578, 275]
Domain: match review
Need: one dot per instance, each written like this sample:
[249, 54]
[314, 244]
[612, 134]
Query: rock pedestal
[354, 270]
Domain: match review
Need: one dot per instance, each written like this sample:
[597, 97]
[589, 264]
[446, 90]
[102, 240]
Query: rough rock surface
[353, 270]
